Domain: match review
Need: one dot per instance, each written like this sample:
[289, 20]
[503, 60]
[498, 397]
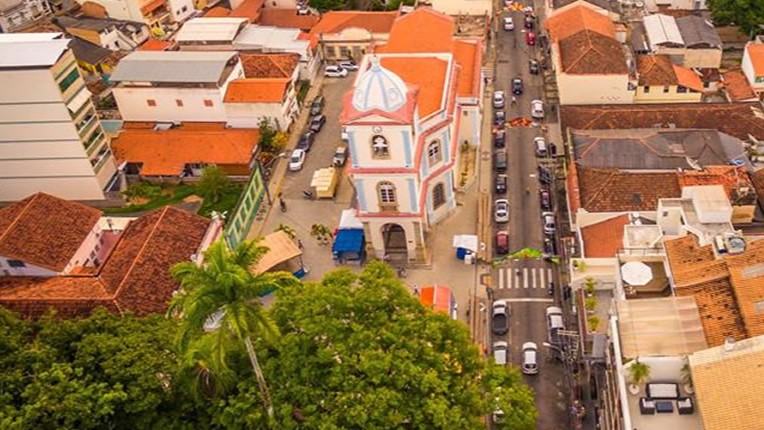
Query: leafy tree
[220, 301]
[213, 183]
[359, 351]
[747, 14]
[328, 5]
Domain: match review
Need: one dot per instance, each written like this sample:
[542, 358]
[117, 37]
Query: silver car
[537, 109]
[500, 349]
[501, 211]
[530, 358]
[498, 99]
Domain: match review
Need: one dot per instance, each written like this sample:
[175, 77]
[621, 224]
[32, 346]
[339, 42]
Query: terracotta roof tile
[688, 78]
[45, 231]
[468, 53]
[605, 238]
[737, 86]
[166, 152]
[655, 70]
[735, 119]
[590, 53]
[155, 45]
[337, 21]
[287, 18]
[218, 12]
[577, 19]
[269, 65]
[249, 9]
[729, 177]
[757, 178]
[613, 190]
[756, 53]
[426, 73]
[257, 90]
[135, 277]
[423, 30]
[310, 37]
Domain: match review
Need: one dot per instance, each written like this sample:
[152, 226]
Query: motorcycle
[307, 194]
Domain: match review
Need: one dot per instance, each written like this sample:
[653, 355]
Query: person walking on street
[416, 289]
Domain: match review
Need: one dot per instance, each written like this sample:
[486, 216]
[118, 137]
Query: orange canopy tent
[438, 298]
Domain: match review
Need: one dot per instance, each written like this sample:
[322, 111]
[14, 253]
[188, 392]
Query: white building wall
[594, 89]
[406, 191]
[121, 9]
[747, 66]
[180, 10]
[702, 58]
[400, 139]
[248, 115]
[28, 270]
[462, 7]
[280, 4]
[133, 104]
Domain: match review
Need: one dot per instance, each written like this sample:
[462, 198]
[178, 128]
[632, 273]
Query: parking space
[326, 141]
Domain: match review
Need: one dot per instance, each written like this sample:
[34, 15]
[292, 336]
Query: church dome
[380, 89]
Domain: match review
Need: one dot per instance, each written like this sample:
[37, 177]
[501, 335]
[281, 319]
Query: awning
[348, 240]
[78, 101]
[349, 220]
[280, 249]
[466, 241]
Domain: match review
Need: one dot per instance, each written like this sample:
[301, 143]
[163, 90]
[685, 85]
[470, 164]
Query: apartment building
[50, 137]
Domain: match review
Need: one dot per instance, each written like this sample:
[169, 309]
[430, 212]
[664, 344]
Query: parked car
[498, 99]
[540, 144]
[500, 184]
[533, 66]
[554, 324]
[306, 141]
[348, 65]
[545, 175]
[499, 138]
[545, 200]
[317, 106]
[530, 38]
[317, 123]
[335, 72]
[502, 242]
[530, 358]
[500, 349]
[528, 22]
[297, 160]
[537, 109]
[500, 161]
[509, 23]
[501, 211]
[500, 317]
[517, 86]
[499, 118]
[550, 247]
[340, 156]
[549, 224]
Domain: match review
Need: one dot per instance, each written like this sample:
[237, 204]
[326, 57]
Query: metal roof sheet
[662, 30]
[172, 66]
[16, 50]
[210, 29]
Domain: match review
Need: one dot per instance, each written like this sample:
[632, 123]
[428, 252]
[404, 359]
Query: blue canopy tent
[349, 244]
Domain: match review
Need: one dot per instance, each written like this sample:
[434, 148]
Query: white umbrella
[636, 273]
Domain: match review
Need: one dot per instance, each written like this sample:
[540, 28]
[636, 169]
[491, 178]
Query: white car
[530, 358]
[537, 109]
[547, 218]
[335, 72]
[297, 160]
[348, 65]
[501, 211]
[498, 99]
[500, 349]
[509, 23]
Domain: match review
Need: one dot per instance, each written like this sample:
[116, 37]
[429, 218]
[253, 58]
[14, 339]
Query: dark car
[533, 65]
[500, 317]
[317, 123]
[499, 138]
[546, 200]
[500, 161]
[550, 247]
[500, 184]
[545, 175]
[499, 117]
[317, 106]
[517, 86]
[529, 20]
[502, 242]
[306, 141]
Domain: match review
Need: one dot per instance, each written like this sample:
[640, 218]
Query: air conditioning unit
[720, 245]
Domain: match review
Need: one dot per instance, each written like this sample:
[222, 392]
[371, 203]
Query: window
[208, 103]
[69, 80]
[681, 89]
[386, 193]
[16, 263]
[380, 147]
[151, 102]
[179, 102]
[665, 89]
[184, 9]
[438, 195]
[646, 89]
[433, 152]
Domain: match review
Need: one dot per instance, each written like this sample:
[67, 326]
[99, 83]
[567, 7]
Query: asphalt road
[524, 282]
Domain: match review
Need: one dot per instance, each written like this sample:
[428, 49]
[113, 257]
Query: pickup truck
[500, 317]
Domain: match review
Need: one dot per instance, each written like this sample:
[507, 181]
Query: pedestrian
[416, 289]
[300, 245]
[514, 100]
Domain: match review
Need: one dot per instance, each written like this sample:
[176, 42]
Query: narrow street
[524, 282]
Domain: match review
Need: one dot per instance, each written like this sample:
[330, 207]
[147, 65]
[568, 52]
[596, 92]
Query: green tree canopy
[747, 14]
[213, 183]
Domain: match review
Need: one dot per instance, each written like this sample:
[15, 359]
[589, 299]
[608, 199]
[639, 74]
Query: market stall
[325, 182]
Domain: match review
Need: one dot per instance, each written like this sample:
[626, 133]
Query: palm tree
[220, 300]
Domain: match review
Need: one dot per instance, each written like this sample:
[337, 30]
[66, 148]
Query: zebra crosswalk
[525, 277]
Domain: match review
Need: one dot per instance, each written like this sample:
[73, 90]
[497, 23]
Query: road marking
[509, 278]
[501, 279]
[549, 273]
[517, 277]
[534, 277]
[530, 300]
[525, 277]
[541, 275]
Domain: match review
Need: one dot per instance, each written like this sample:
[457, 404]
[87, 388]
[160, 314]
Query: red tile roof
[590, 53]
[756, 53]
[249, 9]
[605, 238]
[423, 30]
[269, 65]
[287, 18]
[735, 119]
[428, 74]
[688, 78]
[45, 231]
[613, 190]
[135, 277]
[577, 19]
[737, 86]
[655, 70]
[166, 152]
[155, 45]
[468, 53]
[337, 21]
[218, 12]
[268, 90]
